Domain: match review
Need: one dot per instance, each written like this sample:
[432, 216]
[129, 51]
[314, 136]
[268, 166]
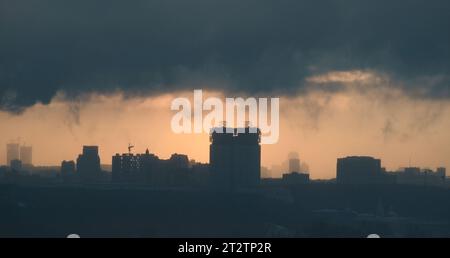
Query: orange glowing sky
[321, 126]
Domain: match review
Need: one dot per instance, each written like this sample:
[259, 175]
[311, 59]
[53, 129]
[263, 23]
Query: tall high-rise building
[235, 157]
[12, 153]
[88, 165]
[26, 155]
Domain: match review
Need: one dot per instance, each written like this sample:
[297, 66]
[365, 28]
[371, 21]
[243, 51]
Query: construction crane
[130, 147]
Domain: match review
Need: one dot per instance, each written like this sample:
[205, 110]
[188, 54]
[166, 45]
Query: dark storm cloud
[254, 46]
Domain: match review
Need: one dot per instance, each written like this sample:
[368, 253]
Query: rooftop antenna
[130, 147]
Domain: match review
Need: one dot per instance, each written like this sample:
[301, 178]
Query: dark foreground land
[315, 210]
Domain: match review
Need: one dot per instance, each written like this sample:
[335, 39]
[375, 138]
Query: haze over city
[320, 126]
[350, 82]
[115, 121]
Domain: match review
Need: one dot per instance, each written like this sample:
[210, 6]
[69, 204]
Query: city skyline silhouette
[337, 112]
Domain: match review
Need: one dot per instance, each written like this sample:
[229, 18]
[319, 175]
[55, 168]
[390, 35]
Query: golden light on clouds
[345, 77]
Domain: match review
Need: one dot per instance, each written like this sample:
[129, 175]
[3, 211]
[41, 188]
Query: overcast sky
[381, 66]
[252, 45]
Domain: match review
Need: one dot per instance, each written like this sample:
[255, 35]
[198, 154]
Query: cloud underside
[254, 47]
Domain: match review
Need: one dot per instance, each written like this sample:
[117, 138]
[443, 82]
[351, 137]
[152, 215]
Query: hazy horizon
[355, 77]
[366, 118]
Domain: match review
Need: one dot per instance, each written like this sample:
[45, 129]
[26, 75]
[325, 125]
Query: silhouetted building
[414, 171]
[130, 168]
[359, 170]
[16, 165]
[150, 165]
[116, 173]
[294, 178]
[418, 176]
[126, 168]
[442, 172]
[200, 174]
[4, 170]
[88, 165]
[149, 169]
[68, 171]
[176, 170]
[12, 153]
[294, 165]
[46, 171]
[235, 157]
[26, 155]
